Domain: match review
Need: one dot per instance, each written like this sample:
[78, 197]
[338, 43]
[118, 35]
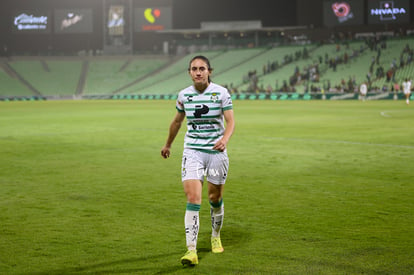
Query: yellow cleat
[216, 246]
[190, 258]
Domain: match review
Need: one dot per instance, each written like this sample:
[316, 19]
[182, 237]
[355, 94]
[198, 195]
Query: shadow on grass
[233, 236]
[142, 266]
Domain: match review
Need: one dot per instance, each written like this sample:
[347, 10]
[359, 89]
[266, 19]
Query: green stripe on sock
[216, 204]
[193, 207]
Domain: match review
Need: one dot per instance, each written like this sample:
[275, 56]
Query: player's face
[199, 72]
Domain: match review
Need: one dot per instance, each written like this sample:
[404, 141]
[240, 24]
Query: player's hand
[220, 145]
[165, 152]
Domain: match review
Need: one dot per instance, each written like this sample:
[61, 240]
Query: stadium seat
[307, 96]
[294, 96]
[283, 97]
[252, 97]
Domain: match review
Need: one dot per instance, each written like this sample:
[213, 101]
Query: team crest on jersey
[214, 97]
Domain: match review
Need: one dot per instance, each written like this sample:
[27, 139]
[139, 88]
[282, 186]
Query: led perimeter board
[388, 11]
[73, 21]
[153, 19]
[343, 13]
[31, 21]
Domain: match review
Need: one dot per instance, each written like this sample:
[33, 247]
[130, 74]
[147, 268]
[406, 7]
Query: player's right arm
[173, 131]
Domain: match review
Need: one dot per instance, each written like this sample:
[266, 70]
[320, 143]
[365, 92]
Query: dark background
[187, 14]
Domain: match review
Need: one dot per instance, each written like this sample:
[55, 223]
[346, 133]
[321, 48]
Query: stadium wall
[247, 97]
[279, 14]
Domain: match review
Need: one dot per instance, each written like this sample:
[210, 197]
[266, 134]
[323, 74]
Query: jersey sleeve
[179, 104]
[227, 103]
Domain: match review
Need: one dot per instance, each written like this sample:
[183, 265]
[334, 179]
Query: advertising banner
[31, 21]
[153, 19]
[73, 21]
[386, 12]
[116, 21]
[341, 13]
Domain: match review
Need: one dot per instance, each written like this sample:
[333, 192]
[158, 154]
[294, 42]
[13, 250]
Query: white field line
[388, 113]
[327, 141]
[385, 114]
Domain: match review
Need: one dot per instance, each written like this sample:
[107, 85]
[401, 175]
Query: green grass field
[314, 187]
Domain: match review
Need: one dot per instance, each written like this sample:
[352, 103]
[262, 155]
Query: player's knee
[193, 197]
[214, 197]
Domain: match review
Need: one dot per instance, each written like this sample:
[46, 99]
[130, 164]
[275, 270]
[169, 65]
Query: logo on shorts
[207, 172]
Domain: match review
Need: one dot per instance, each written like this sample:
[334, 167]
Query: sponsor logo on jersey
[201, 110]
[214, 97]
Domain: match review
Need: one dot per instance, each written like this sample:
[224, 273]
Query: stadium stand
[330, 67]
[263, 63]
[11, 85]
[173, 75]
[60, 79]
[224, 61]
[395, 59]
[108, 76]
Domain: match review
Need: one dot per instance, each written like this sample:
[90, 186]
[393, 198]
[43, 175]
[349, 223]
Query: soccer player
[363, 91]
[406, 86]
[206, 106]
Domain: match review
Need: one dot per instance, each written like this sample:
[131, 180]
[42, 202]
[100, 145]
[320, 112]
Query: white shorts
[197, 165]
[407, 92]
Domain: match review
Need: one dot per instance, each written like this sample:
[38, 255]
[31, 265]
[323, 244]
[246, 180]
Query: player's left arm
[221, 145]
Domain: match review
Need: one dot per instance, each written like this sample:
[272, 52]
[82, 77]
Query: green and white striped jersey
[204, 112]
